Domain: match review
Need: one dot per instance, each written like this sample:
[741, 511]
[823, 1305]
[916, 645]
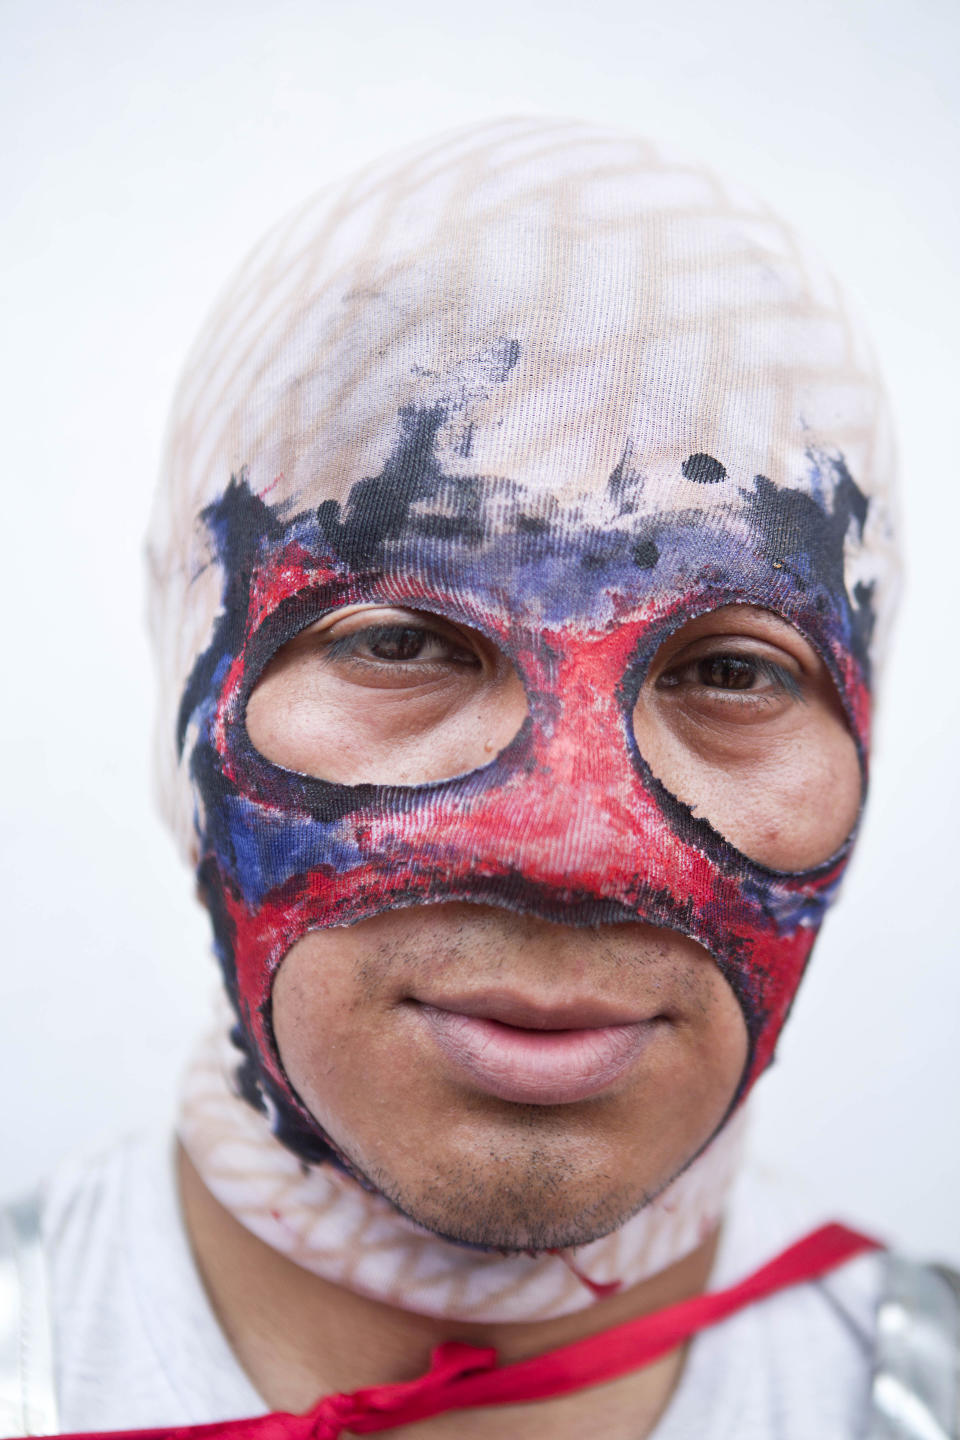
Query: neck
[298, 1335]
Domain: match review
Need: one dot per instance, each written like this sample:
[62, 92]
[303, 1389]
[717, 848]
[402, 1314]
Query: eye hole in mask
[379, 695]
[739, 718]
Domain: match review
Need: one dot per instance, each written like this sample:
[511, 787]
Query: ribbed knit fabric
[545, 381]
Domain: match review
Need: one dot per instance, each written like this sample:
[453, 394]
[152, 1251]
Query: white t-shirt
[137, 1343]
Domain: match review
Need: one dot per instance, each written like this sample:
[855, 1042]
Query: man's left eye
[727, 672]
[731, 672]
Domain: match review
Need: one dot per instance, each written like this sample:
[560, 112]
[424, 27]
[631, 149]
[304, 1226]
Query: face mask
[538, 382]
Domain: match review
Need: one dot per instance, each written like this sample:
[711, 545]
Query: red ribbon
[464, 1377]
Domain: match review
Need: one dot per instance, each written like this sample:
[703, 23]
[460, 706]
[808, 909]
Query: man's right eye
[386, 696]
[399, 644]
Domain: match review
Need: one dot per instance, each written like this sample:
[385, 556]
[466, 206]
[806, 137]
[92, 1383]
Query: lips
[536, 1055]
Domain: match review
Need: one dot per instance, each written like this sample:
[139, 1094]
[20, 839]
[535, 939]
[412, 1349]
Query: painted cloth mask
[538, 381]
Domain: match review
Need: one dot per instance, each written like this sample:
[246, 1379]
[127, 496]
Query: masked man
[519, 574]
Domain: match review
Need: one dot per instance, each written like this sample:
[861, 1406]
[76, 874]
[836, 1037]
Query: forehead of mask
[582, 332]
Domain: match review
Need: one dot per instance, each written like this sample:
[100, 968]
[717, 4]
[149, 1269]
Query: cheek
[787, 801]
[796, 806]
[825, 790]
[318, 1011]
[312, 721]
[341, 1028]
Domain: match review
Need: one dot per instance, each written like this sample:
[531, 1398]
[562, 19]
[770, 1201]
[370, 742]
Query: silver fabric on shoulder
[28, 1404]
[915, 1393]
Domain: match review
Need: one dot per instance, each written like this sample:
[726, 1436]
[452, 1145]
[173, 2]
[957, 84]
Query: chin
[540, 1209]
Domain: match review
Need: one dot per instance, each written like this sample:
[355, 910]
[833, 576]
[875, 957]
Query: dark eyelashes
[349, 644]
[780, 678]
[761, 665]
[372, 636]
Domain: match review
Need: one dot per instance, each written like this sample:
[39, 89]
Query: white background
[147, 146]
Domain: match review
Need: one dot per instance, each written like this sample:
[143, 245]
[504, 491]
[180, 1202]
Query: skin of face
[739, 718]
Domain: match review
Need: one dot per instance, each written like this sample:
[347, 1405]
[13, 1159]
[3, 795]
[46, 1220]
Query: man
[521, 563]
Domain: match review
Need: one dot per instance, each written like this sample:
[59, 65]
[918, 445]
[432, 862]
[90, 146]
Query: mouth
[536, 1055]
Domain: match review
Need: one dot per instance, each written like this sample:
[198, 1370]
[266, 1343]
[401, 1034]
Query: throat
[298, 1336]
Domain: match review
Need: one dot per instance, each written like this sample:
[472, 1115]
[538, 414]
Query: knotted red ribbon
[464, 1377]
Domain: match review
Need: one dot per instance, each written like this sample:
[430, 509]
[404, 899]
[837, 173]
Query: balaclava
[544, 381]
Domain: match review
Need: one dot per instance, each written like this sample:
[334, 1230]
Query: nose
[578, 812]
